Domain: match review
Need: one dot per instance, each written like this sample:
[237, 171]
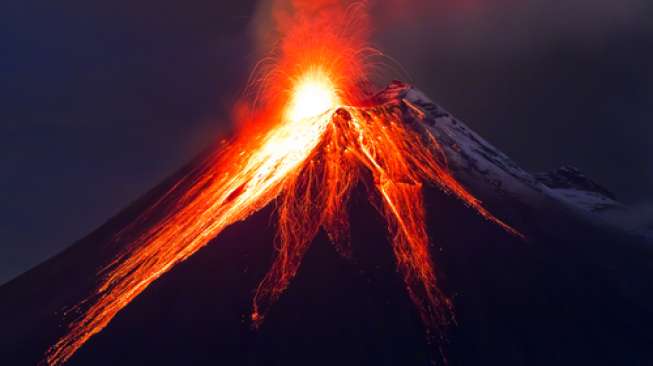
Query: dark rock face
[570, 177]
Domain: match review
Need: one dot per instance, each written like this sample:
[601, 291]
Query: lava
[313, 144]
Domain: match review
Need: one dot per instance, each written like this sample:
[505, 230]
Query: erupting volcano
[316, 136]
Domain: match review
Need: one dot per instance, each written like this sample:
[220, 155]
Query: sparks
[314, 150]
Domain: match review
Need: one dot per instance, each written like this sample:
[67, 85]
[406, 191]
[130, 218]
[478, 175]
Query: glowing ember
[314, 150]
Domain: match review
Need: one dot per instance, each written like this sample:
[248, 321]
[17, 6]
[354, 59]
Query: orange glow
[313, 94]
[309, 149]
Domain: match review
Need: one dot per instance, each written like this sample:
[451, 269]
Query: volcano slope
[578, 290]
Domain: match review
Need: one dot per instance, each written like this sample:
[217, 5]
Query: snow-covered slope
[480, 165]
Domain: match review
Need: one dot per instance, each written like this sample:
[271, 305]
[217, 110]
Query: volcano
[568, 285]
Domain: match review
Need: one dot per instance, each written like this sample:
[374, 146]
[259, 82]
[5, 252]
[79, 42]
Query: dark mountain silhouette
[578, 291]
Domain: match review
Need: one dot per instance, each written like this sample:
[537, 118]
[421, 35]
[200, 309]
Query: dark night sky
[102, 99]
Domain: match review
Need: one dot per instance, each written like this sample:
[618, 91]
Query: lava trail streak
[226, 190]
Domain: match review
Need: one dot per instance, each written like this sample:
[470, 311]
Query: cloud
[509, 23]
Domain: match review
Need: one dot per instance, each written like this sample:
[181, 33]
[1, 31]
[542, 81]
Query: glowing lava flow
[311, 162]
[215, 200]
[400, 157]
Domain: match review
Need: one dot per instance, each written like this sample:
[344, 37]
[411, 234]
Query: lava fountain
[312, 140]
